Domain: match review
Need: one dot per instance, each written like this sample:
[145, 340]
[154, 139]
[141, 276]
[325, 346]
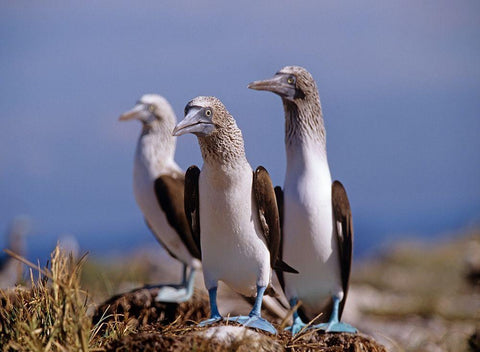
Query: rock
[239, 338]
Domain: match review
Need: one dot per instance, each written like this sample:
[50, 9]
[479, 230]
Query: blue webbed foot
[254, 321]
[336, 327]
[215, 314]
[178, 293]
[297, 326]
[173, 293]
[210, 321]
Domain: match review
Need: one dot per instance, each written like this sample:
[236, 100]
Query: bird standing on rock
[158, 185]
[317, 221]
[232, 209]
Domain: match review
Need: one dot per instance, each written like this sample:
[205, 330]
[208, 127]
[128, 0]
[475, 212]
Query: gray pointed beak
[138, 112]
[195, 122]
[276, 84]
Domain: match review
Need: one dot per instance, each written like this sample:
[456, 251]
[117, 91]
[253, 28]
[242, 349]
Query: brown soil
[328, 342]
[140, 307]
[150, 339]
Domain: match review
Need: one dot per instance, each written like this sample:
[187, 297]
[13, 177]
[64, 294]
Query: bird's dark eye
[208, 112]
[291, 80]
[151, 108]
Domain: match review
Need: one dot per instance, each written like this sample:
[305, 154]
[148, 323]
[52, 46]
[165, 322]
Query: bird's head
[151, 110]
[292, 83]
[219, 137]
[203, 117]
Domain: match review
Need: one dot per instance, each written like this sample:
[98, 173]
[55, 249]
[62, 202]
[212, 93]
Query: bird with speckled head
[233, 211]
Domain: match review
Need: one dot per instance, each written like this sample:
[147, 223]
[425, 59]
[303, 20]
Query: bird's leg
[254, 319]
[214, 313]
[212, 295]
[298, 324]
[257, 306]
[334, 325]
[191, 279]
[188, 284]
[178, 293]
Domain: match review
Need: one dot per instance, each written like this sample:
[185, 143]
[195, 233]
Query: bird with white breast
[317, 221]
[158, 185]
[232, 209]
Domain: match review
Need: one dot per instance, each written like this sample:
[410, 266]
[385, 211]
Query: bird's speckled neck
[224, 145]
[304, 121]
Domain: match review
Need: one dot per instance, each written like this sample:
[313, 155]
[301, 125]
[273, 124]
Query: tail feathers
[282, 266]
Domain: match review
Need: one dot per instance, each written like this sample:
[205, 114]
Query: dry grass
[419, 285]
[51, 315]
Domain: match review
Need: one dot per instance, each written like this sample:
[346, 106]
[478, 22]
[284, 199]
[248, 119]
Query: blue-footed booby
[317, 221]
[233, 210]
[158, 185]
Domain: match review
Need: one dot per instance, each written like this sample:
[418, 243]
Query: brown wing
[269, 217]
[343, 222]
[169, 192]
[191, 202]
[279, 197]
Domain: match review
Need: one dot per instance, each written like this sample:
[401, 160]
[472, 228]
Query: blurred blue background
[399, 84]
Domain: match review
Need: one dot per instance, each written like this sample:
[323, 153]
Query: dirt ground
[413, 297]
[173, 327]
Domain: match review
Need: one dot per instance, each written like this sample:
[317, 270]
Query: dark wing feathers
[343, 217]
[191, 202]
[269, 217]
[279, 196]
[169, 192]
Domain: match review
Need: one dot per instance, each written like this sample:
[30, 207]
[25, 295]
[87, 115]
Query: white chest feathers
[233, 246]
[309, 236]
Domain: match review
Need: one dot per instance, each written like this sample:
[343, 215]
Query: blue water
[398, 83]
[372, 234]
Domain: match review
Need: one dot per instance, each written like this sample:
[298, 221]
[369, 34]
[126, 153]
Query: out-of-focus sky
[399, 83]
